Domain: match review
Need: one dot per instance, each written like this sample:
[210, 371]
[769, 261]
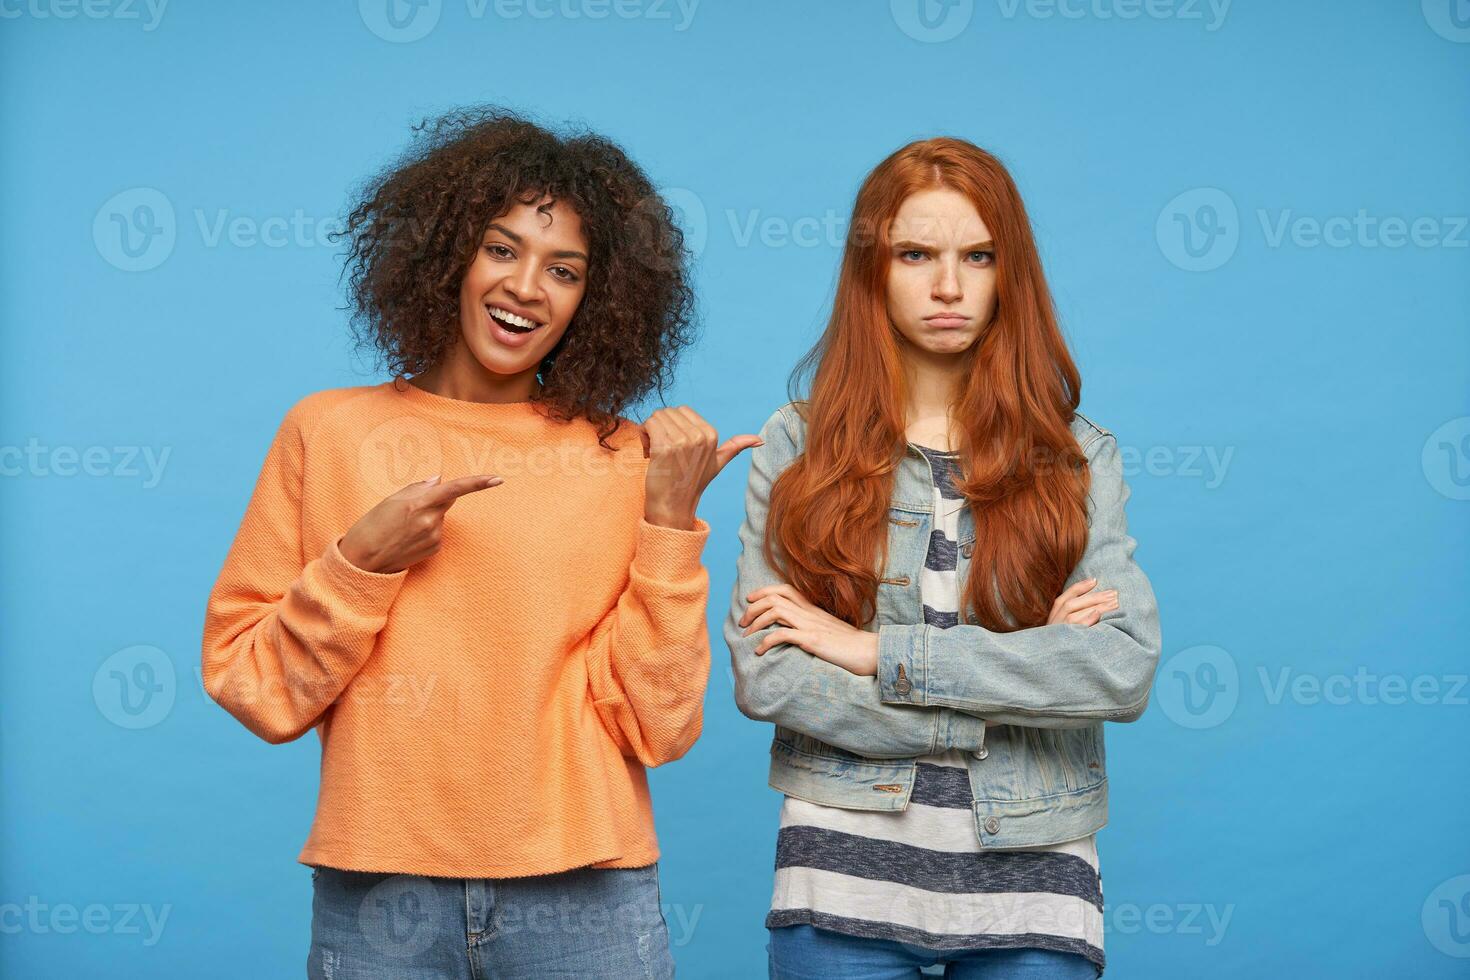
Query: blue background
[1330, 381]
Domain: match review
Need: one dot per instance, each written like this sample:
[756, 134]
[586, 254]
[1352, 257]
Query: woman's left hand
[683, 457]
[813, 629]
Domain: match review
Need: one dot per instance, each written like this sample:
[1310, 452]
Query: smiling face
[941, 273]
[523, 287]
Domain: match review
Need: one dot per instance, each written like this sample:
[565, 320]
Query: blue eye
[983, 256]
[911, 252]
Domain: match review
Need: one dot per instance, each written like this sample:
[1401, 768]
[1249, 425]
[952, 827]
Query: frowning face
[941, 272]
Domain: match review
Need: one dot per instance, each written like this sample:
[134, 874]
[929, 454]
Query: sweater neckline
[458, 408]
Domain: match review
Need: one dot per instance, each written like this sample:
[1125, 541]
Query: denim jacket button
[903, 686]
[992, 825]
[982, 753]
[967, 549]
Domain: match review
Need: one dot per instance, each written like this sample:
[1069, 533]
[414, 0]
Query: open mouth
[510, 322]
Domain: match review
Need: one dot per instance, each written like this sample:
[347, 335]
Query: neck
[458, 375]
[933, 382]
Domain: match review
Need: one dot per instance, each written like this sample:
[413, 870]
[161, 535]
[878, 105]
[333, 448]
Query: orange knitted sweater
[487, 712]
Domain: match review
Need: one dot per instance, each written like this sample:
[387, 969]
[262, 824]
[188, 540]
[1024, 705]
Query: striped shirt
[919, 875]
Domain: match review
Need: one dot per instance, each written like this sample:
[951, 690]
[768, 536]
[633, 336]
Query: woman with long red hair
[937, 602]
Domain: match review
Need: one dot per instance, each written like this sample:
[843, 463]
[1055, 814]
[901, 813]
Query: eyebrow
[563, 254]
[976, 247]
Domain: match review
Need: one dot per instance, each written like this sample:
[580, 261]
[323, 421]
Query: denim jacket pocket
[1060, 759]
[808, 769]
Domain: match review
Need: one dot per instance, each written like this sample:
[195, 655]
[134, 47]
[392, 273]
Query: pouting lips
[511, 323]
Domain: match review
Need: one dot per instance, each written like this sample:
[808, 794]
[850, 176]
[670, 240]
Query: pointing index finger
[447, 493]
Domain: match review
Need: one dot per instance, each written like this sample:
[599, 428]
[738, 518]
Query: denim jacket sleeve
[796, 690]
[1060, 676]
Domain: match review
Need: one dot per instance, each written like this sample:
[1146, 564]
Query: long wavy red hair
[1024, 478]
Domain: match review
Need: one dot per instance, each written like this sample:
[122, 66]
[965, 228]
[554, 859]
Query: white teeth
[511, 318]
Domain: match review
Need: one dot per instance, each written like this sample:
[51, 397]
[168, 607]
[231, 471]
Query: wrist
[679, 518]
[346, 548]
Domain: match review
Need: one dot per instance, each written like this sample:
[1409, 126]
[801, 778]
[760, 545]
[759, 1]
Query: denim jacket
[1026, 707]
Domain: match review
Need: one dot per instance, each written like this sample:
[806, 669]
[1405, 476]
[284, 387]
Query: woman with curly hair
[481, 584]
[937, 603]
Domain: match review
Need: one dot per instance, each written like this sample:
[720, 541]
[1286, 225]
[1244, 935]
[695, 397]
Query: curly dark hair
[418, 223]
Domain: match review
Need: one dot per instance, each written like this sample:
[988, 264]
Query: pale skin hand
[1082, 607]
[406, 527]
[810, 627]
[825, 636]
[683, 457]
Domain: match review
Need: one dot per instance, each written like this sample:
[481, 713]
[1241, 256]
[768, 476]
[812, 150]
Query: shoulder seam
[358, 391]
[786, 421]
[1098, 431]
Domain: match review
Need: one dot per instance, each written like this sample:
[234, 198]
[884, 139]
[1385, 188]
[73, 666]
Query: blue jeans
[805, 952]
[587, 922]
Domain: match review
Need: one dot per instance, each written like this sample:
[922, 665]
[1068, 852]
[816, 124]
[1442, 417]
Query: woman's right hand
[1082, 607]
[406, 526]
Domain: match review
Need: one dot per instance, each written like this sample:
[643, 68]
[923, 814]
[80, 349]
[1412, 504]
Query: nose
[521, 283]
[947, 282]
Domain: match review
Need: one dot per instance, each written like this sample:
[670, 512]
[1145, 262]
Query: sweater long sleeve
[282, 640]
[489, 711]
[648, 661]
